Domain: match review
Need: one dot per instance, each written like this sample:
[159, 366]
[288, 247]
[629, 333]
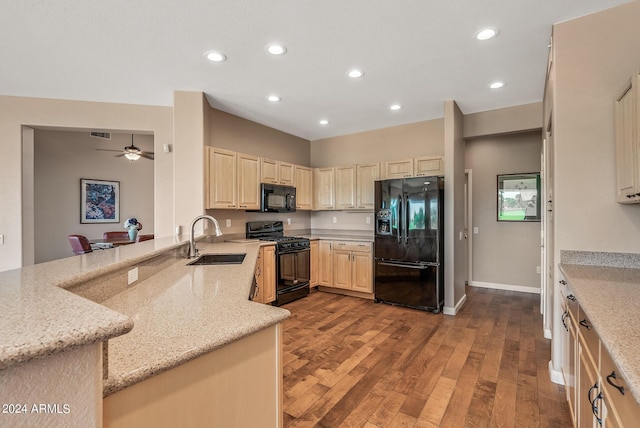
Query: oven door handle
[294, 288]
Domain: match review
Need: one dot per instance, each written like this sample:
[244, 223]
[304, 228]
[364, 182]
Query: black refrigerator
[409, 242]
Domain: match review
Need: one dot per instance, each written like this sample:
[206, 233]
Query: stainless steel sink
[219, 259]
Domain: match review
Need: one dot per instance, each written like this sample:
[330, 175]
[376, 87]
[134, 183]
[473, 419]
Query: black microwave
[277, 198]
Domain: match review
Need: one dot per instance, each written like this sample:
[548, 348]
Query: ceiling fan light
[132, 156]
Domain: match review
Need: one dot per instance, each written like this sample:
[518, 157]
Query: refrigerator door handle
[400, 222]
[405, 219]
[402, 265]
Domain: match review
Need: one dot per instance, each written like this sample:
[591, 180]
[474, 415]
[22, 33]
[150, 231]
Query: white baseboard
[447, 310]
[509, 287]
[555, 375]
[548, 334]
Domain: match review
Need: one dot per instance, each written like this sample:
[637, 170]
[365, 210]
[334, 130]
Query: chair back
[116, 236]
[146, 237]
[80, 244]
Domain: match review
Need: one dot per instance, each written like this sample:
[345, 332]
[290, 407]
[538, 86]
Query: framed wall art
[99, 201]
[518, 197]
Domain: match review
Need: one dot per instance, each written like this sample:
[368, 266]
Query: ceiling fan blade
[147, 155]
[108, 150]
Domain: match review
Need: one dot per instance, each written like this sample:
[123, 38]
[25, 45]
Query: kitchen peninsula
[178, 331]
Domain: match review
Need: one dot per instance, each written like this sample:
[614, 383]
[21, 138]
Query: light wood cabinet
[366, 176]
[353, 265]
[315, 263]
[627, 129]
[232, 180]
[266, 275]
[325, 255]
[304, 187]
[590, 373]
[277, 172]
[221, 178]
[324, 188]
[248, 182]
[398, 169]
[427, 166]
[345, 187]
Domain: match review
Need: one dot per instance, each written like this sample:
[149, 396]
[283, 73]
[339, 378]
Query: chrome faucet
[193, 251]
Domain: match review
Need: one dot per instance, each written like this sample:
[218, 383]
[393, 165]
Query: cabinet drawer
[366, 247]
[625, 406]
[589, 335]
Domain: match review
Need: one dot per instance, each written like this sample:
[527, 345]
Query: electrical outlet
[1, 239]
[288, 220]
[228, 222]
[475, 230]
[537, 269]
[368, 220]
[132, 276]
[335, 220]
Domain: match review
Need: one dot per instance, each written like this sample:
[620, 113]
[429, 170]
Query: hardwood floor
[350, 362]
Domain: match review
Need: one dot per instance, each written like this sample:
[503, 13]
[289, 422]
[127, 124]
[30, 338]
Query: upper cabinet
[277, 172]
[324, 188]
[627, 120]
[345, 187]
[366, 175]
[232, 180]
[398, 169]
[304, 187]
[428, 166]
[221, 178]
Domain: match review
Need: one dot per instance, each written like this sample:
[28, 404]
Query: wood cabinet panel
[221, 178]
[315, 263]
[324, 188]
[326, 263]
[345, 187]
[286, 173]
[248, 182]
[304, 187]
[398, 169]
[366, 176]
[269, 171]
[626, 130]
[427, 166]
[266, 275]
[342, 269]
[362, 267]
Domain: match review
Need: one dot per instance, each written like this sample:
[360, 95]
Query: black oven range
[293, 259]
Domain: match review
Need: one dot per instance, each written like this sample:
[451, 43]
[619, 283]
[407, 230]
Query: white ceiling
[414, 52]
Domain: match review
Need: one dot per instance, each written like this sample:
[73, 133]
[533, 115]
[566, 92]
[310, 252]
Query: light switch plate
[228, 222]
[475, 230]
[1, 239]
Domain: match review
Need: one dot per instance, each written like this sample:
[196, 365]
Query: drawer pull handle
[564, 317]
[593, 402]
[563, 282]
[585, 324]
[571, 297]
[613, 376]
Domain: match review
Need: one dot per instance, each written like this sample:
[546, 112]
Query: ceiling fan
[131, 152]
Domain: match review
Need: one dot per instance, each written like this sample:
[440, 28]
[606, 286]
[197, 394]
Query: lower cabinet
[325, 265]
[315, 263]
[353, 265]
[597, 393]
[266, 275]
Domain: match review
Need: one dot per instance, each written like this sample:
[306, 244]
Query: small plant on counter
[132, 223]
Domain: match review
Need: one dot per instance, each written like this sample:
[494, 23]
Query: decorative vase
[133, 232]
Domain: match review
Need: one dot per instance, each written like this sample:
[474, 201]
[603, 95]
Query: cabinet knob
[563, 282]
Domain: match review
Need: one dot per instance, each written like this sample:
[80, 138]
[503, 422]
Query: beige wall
[241, 135]
[527, 117]
[454, 246]
[398, 142]
[231, 132]
[62, 158]
[35, 112]
[591, 68]
[504, 253]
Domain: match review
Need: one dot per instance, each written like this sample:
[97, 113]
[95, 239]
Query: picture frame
[518, 197]
[99, 201]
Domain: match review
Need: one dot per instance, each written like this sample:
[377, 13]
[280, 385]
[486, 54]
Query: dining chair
[80, 244]
[146, 237]
[115, 236]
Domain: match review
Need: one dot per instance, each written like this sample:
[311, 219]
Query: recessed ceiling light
[496, 85]
[276, 49]
[355, 73]
[487, 33]
[215, 56]
[273, 98]
[395, 107]
[323, 122]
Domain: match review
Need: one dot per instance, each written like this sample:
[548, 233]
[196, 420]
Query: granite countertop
[185, 312]
[340, 237]
[610, 298]
[170, 317]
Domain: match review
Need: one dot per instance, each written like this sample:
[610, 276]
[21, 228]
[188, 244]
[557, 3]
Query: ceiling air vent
[103, 135]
